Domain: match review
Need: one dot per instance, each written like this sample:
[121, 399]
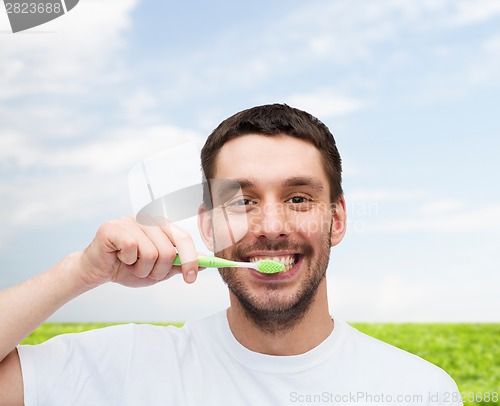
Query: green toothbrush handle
[208, 262]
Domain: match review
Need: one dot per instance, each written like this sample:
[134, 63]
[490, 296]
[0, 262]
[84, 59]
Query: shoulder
[124, 335]
[99, 342]
[385, 361]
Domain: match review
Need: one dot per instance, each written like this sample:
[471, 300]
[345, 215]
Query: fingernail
[191, 276]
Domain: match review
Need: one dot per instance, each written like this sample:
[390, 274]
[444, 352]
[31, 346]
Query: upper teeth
[286, 260]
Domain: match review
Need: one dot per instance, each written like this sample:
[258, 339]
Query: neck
[307, 333]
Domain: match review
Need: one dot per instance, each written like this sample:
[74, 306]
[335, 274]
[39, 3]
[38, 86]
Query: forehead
[269, 159]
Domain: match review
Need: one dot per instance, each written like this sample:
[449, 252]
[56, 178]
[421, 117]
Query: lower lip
[278, 275]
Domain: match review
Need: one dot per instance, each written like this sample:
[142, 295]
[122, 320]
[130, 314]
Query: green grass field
[470, 353]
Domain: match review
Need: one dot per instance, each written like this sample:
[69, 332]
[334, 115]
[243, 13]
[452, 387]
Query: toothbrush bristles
[270, 266]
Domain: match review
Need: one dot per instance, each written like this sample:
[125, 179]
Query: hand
[135, 255]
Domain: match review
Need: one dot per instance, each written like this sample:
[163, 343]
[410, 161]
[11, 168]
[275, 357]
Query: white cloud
[471, 12]
[486, 218]
[440, 206]
[47, 200]
[492, 45]
[138, 105]
[85, 41]
[253, 64]
[316, 37]
[382, 36]
[439, 215]
[325, 103]
[392, 298]
[112, 152]
[383, 195]
[50, 184]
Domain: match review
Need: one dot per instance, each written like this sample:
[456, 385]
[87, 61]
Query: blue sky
[409, 89]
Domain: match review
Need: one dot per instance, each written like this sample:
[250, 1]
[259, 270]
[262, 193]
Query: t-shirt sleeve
[78, 368]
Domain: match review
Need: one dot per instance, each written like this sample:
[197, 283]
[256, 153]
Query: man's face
[283, 211]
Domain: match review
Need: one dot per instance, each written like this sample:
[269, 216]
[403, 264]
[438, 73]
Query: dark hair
[276, 119]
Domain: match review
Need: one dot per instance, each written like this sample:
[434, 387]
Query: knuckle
[149, 256]
[182, 235]
[105, 229]
[128, 244]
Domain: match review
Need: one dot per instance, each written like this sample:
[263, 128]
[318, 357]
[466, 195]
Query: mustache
[242, 251]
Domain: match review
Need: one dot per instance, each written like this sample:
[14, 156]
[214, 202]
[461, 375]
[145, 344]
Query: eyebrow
[304, 181]
[225, 187]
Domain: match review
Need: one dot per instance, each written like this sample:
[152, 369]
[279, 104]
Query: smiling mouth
[288, 260]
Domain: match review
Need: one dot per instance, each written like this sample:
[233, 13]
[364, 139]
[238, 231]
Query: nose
[271, 221]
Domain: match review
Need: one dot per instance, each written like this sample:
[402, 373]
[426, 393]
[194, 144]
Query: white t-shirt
[203, 364]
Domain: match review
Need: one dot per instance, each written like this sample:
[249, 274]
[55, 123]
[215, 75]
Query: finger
[166, 253]
[116, 240]
[147, 252]
[185, 246]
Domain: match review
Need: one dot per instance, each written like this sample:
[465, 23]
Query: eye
[299, 200]
[240, 204]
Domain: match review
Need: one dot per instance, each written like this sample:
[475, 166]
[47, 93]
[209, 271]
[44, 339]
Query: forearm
[123, 251]
[24, 307]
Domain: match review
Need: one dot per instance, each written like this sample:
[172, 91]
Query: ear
[338, 222]
[205, 226]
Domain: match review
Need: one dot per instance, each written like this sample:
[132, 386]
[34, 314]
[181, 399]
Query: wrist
[74, 274]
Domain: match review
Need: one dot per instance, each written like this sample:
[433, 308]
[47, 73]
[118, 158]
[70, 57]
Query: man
[274, 178]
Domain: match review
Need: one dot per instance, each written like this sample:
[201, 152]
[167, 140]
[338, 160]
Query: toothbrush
[267, 266]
